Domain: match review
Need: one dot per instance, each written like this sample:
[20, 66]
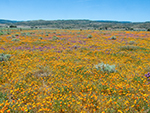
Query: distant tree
[13, 26]
[130, 29]
[148, 29]
[100, 28]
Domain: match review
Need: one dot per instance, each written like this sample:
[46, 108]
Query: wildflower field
[71, 71]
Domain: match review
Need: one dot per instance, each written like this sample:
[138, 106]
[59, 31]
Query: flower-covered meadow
[68, 71]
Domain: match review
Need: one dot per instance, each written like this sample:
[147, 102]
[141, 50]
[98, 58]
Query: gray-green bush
[1, 33]
[13, 36]
[113, 38]
[105, 68]
[16, 34]
[15, 39]
[55, 38]
[132, 42]
[4, 57]
[40, 38]
[89, 36]
[129, 47]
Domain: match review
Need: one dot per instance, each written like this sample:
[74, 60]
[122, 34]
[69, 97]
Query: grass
[58, 74]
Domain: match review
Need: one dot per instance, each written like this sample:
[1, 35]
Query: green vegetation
[55, 38]
[79, 24]
[1, 33]
[40, 38]
[3, 97]
[113, 38]
[89, 36]
[15, 39]
[4, 57]
[132, 42]
[105, 68]
[129, 47]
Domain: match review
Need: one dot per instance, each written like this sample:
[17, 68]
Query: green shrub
[7, 55]
[28, 34]
[113, 38]
[8, 33]
[13, 36]
[40, 38]
[55, 38]
[4, 57]
[59, 34]
[132, 42]
[23, 34]
[1, 33]
[129, 47]
[1, 58]
[54, 32]
[16, 34]
[89, 36]
[105, 68]
[15, 39]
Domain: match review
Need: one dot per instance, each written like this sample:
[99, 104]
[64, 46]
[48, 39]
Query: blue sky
[118, 10]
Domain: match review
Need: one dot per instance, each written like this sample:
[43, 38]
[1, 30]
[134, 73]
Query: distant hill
[2, 21]
[107, 21]
[78, 24]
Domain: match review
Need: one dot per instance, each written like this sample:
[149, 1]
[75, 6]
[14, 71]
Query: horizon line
[79, 19]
